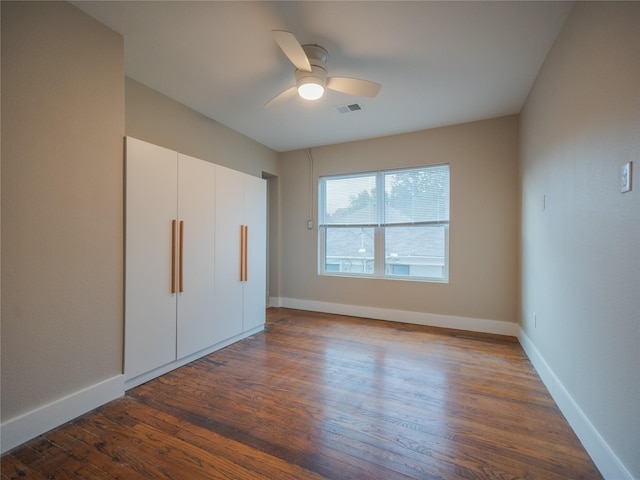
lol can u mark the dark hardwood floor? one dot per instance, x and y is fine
(325, 396)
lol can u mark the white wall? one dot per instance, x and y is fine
(62, 263)
(483, 275)
(581, 254)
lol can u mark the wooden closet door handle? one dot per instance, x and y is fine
(173, 256)
(181, 269)
(242, 253)
(246, 253)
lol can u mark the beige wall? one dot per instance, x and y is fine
(62, 267)
(581, 254)
(158, 119)
(483, 274)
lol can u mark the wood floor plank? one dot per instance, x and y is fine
(43, 456)
(221, 446)
(300, 446)
(91, 448)
(13, 468)
(319, 396)
(337, 424)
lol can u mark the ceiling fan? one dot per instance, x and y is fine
(311, 72)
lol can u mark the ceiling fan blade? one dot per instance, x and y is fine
(292, 49)
(354, 86)
(281, 97)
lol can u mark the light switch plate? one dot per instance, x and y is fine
(625, 180)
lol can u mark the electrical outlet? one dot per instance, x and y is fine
(625, 180)
(309, 224)
(535, 320)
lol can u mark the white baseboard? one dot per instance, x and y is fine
(36, 422)
(418, 318)
(605, 459)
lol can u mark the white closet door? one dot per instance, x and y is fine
(228, 287)
(196, 213)
(150, 307)
(255, 217)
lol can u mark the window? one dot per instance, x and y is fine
(391, 224)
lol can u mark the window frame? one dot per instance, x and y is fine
(379, 228)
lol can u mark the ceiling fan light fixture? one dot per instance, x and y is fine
(311, 72)
(310, 89)
(311, 84)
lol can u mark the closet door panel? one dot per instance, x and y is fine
(228, 287)
(255, 217)
(196, 212)
(150, 307)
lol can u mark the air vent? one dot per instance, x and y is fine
(354, 107)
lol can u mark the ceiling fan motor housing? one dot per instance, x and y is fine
(316, 75)
(318, 59)
(317, 53)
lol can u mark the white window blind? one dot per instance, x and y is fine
(350, 200)
(417, 196)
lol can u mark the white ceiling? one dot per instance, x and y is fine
(439, 63)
